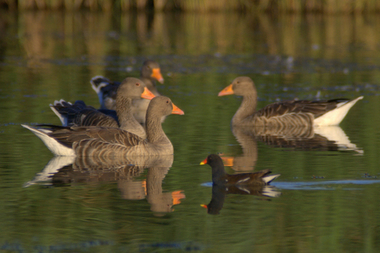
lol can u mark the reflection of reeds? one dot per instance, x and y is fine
(326, 6)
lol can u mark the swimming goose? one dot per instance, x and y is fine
(111, 142)
(295, 112)
(106, 90)
(130, 90)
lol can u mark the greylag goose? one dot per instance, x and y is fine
(130, 90)
(106, 90)
(295, 112)
(107, 141)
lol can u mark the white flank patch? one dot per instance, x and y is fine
(242, 180)
(334, 117)
(54, 146)
(243, 189)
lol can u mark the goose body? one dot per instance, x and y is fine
(106, 89)
(220, 177)
(291, 113)
(129, 91)
(108, 141)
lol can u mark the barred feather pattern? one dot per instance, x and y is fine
(80, 114)
(293, 113)
(107, 141)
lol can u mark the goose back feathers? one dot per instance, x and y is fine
(293, 113)
(106, 141)
(130, 90)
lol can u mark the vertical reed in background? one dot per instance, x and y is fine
(294, 6)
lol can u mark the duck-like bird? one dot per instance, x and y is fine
(129, 91)
(220, 177)
(108, 141)
(290, 113)
(106, 89)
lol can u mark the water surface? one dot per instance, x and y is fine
(329, 193)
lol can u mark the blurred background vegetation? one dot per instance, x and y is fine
(297, 6)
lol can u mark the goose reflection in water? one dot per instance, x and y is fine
(318, 138)
(67, 170)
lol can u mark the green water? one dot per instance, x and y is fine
(329, 199)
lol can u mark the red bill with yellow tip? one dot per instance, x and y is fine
(204, 162)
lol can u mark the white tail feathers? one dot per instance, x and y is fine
(53, 145)
(334, 117)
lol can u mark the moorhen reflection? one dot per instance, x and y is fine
(256, 183)
(219, 193)
(291, 113)
(130, 91)
(84, 170)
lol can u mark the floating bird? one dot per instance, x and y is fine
(129, 91)
(106, 89)
(292, 113)
(108, 141)
(220, 177)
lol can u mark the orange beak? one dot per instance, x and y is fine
(226, 91)
(143, 183)
(204, 162)
(177, 196)
(204, 206)
(176, 110)
(228, 161)
(147, 94)
(156, 74)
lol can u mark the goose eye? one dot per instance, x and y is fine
(137, 84)
(167, 101)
